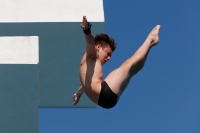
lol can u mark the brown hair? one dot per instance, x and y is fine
(105, 40)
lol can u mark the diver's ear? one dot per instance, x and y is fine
(98, 47)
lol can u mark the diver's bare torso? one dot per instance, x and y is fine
(91, 76)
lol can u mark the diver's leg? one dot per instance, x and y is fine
(119, 78)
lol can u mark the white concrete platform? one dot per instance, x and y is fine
(19, 50)
(50, 10)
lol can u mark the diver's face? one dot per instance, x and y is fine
(105, 53)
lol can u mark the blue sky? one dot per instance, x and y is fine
(164, 97)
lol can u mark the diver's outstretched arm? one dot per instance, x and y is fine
(89, 38)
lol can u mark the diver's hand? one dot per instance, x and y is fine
(75, 99)
(84, 24)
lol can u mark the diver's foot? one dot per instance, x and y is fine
(153, 35)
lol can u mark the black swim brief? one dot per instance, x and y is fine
(107, 98)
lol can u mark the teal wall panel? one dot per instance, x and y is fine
(61, 46)
(19, 105)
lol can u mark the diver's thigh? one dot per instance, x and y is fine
(116, 78)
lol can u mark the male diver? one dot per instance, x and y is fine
(106, 93)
